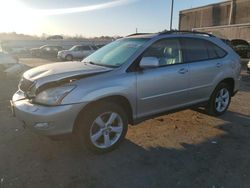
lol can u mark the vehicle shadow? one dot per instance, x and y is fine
(229, 116)
(221, 161)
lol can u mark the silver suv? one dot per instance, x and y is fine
(126, 82)
(76, 52)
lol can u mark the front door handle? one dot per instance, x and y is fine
(183, 71)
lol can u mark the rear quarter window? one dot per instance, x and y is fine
(220, 52)
(201, 50)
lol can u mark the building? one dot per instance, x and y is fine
(228, 19)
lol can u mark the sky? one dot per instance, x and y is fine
(91, 18)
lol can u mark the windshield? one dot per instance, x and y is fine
(74, 48)
(116, 53)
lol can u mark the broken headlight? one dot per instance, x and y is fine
(53, 96)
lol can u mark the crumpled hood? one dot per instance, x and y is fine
(63, 70)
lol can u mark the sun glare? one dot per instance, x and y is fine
(15, 16)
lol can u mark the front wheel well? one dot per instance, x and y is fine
(120, 100)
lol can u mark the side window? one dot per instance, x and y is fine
(168, 52)
(220, 52)
(211, 51)
(77, 48)
(83, 48)
(214, 51)
(195, 50)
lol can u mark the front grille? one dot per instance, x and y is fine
(25, 85)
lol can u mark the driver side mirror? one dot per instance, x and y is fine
(149, 62)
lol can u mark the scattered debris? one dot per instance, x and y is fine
(214, 142)
(160, 119)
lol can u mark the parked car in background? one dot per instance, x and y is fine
(55, 37)
(76, 52)
(46, 51)
(128, 81)
(241, 47)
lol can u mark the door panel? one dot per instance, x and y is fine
(205, 65)
(162, 89)
(202, 75)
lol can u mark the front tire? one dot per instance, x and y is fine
(69, 57)
(103, 127)
(219, 100)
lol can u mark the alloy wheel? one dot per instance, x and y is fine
(222, 100)
(106, 130)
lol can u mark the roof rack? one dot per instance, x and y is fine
(185, 32)
(138, 34)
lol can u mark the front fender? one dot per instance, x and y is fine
(103, 93)
(86, 96)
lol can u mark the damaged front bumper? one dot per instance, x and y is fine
(46, 120)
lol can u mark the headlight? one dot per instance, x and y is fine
(53, 96)
(31, 93)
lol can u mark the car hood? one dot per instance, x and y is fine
(60, 71)
(64, 51)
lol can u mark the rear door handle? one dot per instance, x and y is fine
(218, 65)
(183, 71)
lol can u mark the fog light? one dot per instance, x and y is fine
(42, 125)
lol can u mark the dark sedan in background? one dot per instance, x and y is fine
(45, 51)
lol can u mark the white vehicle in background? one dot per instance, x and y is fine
(76, 52)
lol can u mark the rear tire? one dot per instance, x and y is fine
(219, 100)
(102, 127)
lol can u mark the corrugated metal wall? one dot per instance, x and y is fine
(215, 18)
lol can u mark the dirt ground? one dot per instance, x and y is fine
(185, 149)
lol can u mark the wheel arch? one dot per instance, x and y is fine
(117, 99)
(230, 82)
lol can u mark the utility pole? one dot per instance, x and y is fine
(172, 11)
(232, 13)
